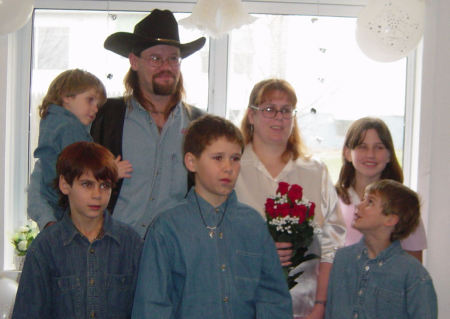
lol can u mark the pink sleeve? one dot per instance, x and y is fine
(417, 240)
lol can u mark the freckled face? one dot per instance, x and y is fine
(276, 130)
(216, 170)
(370, 157)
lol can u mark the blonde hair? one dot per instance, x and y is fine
(68, 84)
(295, 147)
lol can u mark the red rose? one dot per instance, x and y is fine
(283, 210)
(270, 209)
(300, 212)
(283, 188)
(295, 192)
(311, 209)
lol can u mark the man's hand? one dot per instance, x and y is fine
(124, 168)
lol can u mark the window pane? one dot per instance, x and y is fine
(65, 39)
(334, 81)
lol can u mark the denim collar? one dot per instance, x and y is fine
(59, 110)
(71, 232)
(393, 249)
(209, 211)
(137, 106)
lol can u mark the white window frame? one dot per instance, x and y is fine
(15, 58)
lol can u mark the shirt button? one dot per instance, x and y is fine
(360, 292)
(223, 267)
(144, 225)
(217, 210)
(380, 264)
(225, 299)
(355, 315)
(92, 314)
(367, 268)
(92, 281)
(91, 250)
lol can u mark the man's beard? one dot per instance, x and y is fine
(164, 89)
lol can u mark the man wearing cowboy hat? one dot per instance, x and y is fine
(146, 125)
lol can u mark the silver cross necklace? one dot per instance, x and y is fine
(211, 229)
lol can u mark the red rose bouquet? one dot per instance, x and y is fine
(289, 218)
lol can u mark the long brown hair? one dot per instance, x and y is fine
(68, 84)
(354, 137)
(132, 88)
(295, 147)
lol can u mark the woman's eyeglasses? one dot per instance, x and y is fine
(270, 111)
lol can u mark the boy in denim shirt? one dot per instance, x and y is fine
(376, 278)
(86, 264)
(211, 256)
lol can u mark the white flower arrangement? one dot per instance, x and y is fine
(23, 237)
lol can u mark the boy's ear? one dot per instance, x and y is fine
(348, 154)
(190, 162)
(391, 220)
(64, 187)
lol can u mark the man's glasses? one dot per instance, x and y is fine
(270, 111)
(157, 61)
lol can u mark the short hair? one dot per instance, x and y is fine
(354, 137)
(206, 129)
(82, 157)
(295, 147)
(68, 84)
(401, 201)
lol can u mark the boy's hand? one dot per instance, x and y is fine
(285, 253)
(124, 167)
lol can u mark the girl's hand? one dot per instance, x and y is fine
(285, 253)
(124, 167)
(318, 312)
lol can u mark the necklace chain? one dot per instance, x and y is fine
(210, 228)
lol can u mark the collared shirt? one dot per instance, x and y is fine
(57, 130)
(255, 185)
(415, 241)
(66, 276)
(393, 285)
(233, 273)
(157, 156)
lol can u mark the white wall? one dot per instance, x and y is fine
(434, 153)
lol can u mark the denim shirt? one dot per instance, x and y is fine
(185, 273)
(66, 276)
(58, 129)
(159, 178)
(393, 285)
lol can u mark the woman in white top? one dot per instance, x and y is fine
(368, 155)
(275, 153)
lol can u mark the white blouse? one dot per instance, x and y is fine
(255, 185)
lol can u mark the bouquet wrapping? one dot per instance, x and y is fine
(290, 219)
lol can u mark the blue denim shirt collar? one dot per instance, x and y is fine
(71, 231)
(61, 111)
(135, 105)
(394, 249)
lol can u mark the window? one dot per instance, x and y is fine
(309, 44)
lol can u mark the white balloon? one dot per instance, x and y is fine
(14, 14)
(387, 30)
(8, 289)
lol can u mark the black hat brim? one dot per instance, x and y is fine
(123, 44)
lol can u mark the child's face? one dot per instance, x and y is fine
(369, 215)
(84, 105)
(370, 157)
(216, 170)
(88, 197)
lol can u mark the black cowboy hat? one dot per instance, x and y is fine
(159, 27)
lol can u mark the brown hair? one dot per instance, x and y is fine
(68, 84)
(132, 88)
(80, 157)
(401, 201)
(354, 137)
(205, 130)
(295, 147)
